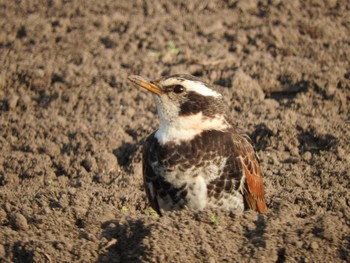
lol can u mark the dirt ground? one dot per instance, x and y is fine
(72, 127)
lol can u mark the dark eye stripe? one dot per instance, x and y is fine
(195, 103)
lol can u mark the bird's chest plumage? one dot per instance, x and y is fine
(204, 155)
(193, 172)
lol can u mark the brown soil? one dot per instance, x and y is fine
(72, 126)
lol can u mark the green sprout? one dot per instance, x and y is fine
(123, 209)
(214, 220)
(153, 212)
(154, 54)
(170, 49)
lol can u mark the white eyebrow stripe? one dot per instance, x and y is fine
(191, 85)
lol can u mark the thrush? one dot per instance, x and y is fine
(198, 158)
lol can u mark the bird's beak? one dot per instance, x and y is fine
(146, 84)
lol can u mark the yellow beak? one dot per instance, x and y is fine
(146, 84)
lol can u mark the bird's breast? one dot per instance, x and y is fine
(202, 170)
(205, 155)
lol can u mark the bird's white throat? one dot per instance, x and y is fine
(187, 127)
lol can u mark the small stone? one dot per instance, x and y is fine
(47, 210)
(130, 111)
(7, 207)
(161, 258)
(299, 244)
(271, 104)
(13, 100)
(107, 162)
(273, 160)
(19, 222)
(167, 58)
(330, 3)
(52, 149)
(89, 163)
(268, 173)
(186, 232)
(314, 245)
(342, 154)
(3, 216)
(26, 100)
(247, 6)
(87, 236)
(294, 151)
(91, 237)
(307, 156)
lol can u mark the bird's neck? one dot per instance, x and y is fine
(185, 128)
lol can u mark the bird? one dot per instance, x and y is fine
(197, 158)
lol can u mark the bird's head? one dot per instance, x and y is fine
(186, 106)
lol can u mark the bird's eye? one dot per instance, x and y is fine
(178, 89)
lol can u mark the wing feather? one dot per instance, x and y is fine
(149, 176)
(253, 190)
(253, 184)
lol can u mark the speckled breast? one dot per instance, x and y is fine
(195, 173)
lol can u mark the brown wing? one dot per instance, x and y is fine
(253, 187)
(149, 176)
(253, 190)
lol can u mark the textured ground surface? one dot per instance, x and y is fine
(71, 127)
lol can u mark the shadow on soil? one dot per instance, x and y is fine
(256, 236)
(128, 239)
